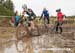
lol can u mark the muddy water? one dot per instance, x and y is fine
(46, 43)
(36, 45)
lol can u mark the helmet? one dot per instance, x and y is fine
(44, 8)
(24, 6)
(58, 10)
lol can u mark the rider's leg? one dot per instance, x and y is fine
(44, 19)
(29, 23)
(48, 21)
(57, 26)
(61, 30)
(47, 18)
(60, 27)
(16, 24)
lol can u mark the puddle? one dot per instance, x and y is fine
(12, 49)
(33, 46)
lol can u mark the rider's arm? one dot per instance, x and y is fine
(27, 13)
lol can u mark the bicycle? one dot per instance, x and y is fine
(23, 31)
(44, 27)
(53, 28)
(48, 28)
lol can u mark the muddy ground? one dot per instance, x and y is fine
(46, 43)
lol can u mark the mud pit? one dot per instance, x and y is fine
(46, 43)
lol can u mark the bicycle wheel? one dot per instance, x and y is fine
(21, 32)
(53, 28)
(35, 31)
(20, 46)
(45, 26)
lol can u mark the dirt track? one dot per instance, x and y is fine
(39, 44)
(66, 40)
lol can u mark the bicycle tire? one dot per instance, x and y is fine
(35, 31)
(21, 32)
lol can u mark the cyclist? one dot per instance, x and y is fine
(45, 13)
(17, 18)
(59, 20)
(31, 16)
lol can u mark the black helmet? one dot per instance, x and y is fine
(58, 10)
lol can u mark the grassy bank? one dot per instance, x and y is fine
(4, 21)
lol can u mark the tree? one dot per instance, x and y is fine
(1, 1)
(9, 5)
(7, 8)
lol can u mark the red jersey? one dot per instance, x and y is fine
(60, 16)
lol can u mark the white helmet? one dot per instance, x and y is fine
(24, 6)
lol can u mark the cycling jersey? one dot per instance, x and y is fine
(30, 14)
(17, 18)
(45, 13)
(60, 16)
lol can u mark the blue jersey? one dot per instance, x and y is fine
(17, 18)
(45, 13)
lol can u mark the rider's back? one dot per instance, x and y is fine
(45, 13)
(60, 16)
(17, 18)
(30, 12)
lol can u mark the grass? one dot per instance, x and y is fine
(69, 20)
